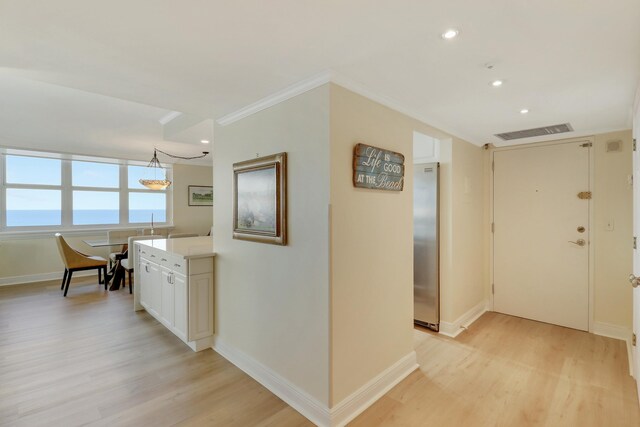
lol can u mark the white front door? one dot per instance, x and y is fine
(541, 233)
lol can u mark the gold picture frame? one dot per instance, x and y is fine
(260, 200)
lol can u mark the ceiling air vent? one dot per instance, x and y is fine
(528, 133)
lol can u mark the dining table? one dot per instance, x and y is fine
(99, 243)
(117, 271)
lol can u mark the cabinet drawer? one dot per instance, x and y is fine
(178, 265)
(200, 265)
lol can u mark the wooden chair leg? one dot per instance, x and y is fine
(66, 288)
(130, 283)
(106, 280)
(64, 278)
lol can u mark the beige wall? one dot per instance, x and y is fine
(468, 227)
(613, 200)
(372, 241)
(272, 302)
(190, 219)
(31, 259)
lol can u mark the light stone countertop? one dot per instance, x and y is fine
(185, 247)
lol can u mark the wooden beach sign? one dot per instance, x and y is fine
(375, 168)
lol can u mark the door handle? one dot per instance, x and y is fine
(579, 242)
(635, 281)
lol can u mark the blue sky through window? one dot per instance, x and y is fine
(33, 170)
(88, 174)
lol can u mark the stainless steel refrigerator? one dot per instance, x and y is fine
(426, 277)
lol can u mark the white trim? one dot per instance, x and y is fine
(310, 407)
(453, 329)
(76, 232)
(368, 394)
(327, 77)
(42, 277)
(276, 98)
(617, 332)
(362, 90)
(593, 241)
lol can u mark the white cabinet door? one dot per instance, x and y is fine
(167, 302)
(143, 276)
(200, 306)
(180, 296)
(149, 274)
(155, 291)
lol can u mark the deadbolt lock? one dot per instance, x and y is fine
(584, 195)
(581, 229)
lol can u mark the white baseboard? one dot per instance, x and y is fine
(453, 329)
(43, 277)
(317, 412)
(368, 394)
(619, 333)
(314, 410)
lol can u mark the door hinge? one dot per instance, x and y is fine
(493, 166)
(633, 340)
(634, 144)
(493, 288)
(635, 242)
(493, 227)
(586, 144)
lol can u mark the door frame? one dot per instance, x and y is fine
(592, 242)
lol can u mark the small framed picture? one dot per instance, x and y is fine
(260, 200)
(200, 195)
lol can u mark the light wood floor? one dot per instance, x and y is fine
(507, 371)
(88, 359)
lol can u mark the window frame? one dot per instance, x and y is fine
(66, 188)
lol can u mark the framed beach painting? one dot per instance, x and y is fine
(260, 200)
(200, 195)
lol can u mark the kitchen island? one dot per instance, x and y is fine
(173, 281)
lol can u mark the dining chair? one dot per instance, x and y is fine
(77, 261)
(128, 262)
(180, 235)
(156, 232)
(115, 235)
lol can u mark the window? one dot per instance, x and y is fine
(143, 203)
(28, 207)
(45, 192)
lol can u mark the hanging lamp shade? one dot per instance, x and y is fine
(155, 184)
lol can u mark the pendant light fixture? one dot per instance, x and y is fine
(161, 184)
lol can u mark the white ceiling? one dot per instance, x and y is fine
(98, 76)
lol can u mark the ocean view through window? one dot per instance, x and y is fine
(42, 193)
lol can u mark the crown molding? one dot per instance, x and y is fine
(276, 98)
(330, 76)
(395, 105)
(169, 116)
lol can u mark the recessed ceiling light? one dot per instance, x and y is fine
(524, 111)
(450, 34)
(496, 83)
(204, 141)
